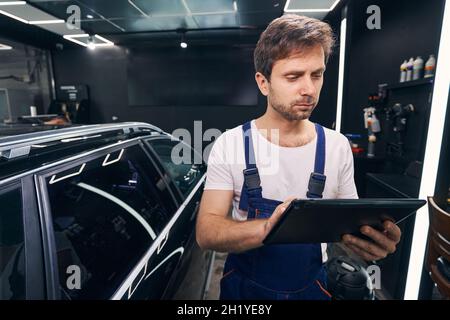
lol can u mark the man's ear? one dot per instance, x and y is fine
(263, 83)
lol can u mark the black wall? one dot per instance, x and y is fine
(408, 29)
(105, 72)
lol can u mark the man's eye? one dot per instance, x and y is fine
(317, 75)
(291, 78)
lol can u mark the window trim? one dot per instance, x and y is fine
(159, 161)
(35, 277)
(51, 262)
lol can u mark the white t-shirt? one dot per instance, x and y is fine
(284, 171)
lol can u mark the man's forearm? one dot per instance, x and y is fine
(223, 234)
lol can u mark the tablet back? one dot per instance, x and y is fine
(326, 220)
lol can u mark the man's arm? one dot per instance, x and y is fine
(218, 232)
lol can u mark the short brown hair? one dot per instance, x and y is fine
(287, 35)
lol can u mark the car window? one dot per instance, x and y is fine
(185, 174)
(12, 251)
(106, 213)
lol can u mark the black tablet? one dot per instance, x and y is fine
(326, 220)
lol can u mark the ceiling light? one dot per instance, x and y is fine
(288, 2)
(13, 3)
(5, 47)
(183, 42)
(91, 43)
(235, 6)
(46, 21)
(106, 42)
(89, 16)
(71, 38)
(13, 16)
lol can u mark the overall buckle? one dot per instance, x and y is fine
(251, 178)
(316, 185)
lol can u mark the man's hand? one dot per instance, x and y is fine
(384, 243)
(276, 215)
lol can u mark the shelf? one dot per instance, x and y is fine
(412, 83)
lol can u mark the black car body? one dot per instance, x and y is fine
(98, 212)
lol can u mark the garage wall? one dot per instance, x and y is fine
(105, 72)
(24, 72)
(408, 29)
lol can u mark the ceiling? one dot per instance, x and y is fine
(154, 21)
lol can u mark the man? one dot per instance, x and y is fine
(280, 156)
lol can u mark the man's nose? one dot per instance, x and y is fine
(307, 87)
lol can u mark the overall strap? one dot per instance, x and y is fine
(252, 181)
(317, 178)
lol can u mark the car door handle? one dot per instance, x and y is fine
(162, 243)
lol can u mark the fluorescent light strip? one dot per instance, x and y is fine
(46, 21)
(5, 47)
(235, 8)
(206, 13)
(30, 22)
(13, 3)
(431, 161)
(334, 5)
(80, 35)
(286, 8)
(138, 9)
(70, 38)
(341, 73)
(13, 16)
(107, 42)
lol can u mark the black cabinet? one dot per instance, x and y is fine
(394, 268)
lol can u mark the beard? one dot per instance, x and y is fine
(288, 111)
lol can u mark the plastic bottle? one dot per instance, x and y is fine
(33, 111)
(430, 66)
(409, 69)
(417, 68)
(403, 71)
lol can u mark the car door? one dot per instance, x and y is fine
(188, 177)
(21, 264)
(12, 243)
(104, 215)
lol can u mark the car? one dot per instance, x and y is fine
(99, 212)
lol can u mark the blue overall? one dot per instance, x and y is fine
(275, 272)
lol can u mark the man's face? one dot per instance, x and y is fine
(295, 83)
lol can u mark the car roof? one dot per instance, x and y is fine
(23, 148)
(7, 130)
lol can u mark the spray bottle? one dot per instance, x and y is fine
(372, 124)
